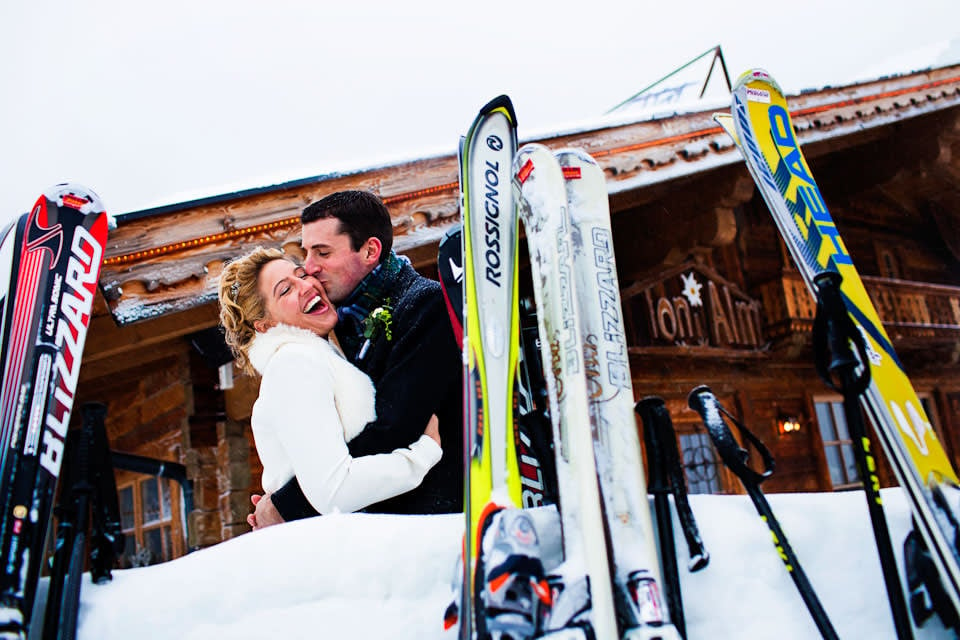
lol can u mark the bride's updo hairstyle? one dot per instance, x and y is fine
(240, 302)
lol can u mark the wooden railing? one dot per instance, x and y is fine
(912, 308)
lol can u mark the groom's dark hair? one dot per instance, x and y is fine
(361, 214)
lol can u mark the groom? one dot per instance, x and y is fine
(393, 325)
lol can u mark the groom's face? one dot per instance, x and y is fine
(331, 258)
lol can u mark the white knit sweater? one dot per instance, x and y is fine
(312, 402)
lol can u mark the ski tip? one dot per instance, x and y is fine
(454, 233)
(755, 75)
(501, 103)
(570, 156)
(74, 196)
(725, 120)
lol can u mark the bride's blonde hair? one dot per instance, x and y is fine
(240, 302)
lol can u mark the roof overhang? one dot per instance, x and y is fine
(166, 260)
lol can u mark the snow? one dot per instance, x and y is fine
(375, 576)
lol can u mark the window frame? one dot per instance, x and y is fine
(834, 407)
(172, 541)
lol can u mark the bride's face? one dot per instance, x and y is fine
(292, 297)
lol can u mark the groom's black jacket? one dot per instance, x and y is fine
(417, 374)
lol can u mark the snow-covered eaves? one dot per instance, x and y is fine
(168, 259)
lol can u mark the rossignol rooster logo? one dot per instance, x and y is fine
(456, 270)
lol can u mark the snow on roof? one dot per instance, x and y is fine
(932, 55)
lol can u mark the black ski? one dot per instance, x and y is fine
(51, 257)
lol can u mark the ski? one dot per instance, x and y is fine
(583, 591)
(499, 566)
(51, 259)
(761, 127)
(537, 476)
(610, 401)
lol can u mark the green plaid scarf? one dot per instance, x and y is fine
(371, 293)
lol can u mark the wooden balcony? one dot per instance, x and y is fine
(914, 312)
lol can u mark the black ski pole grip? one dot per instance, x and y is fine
(702, 400)
(653, 411)
(659, 486)
(833, 332)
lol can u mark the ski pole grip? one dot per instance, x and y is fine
(702, 400)
(93, 414)
(667, 475)
(833, 331)
(647, 409)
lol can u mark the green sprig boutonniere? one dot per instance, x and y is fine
(379, 321)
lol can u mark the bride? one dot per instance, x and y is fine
(312, 401)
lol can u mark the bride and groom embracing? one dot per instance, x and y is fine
(326, 439)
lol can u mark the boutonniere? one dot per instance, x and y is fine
(379, 321)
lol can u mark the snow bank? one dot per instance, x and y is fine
(375, 576)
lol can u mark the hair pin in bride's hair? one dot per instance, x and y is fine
(235, 290)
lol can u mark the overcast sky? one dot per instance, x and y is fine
(153, 103)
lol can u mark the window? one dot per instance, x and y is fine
(889, 265)
(700, 464)
(150, 520)
(837, 445)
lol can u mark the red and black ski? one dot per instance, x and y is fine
(49, 266)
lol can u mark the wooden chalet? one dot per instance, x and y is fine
(685, 214)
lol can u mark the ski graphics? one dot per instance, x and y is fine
(490, 335)
(535, 463)
(610, 396)
(49, 265)
(450, 270)
(542, 204)
(760, 125)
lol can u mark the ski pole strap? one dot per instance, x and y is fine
(702, 400)
(833, 331)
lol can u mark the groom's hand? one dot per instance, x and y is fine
(264, 514)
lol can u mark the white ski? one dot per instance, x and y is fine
(542, 202)
(610, 402)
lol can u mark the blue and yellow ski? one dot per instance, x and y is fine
(761, 126)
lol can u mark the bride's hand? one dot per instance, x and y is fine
(433, 429)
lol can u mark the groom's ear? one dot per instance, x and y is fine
(371, 250)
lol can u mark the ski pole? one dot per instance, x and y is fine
(666, 476)
(702, 400)
(833, 333)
